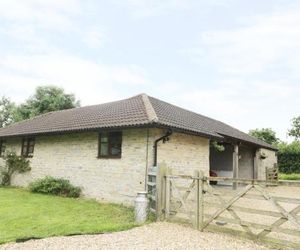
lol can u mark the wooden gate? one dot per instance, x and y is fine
(254, 210)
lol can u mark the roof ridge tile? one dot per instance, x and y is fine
(152, 116)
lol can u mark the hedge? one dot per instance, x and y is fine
(289, 158)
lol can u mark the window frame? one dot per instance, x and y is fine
(109, 135)
(27, 143)
(2, 145)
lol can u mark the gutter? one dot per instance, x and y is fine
(164, 138)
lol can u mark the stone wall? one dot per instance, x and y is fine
(74, 156)
(269, 161)
(246, 162)
(183, 153)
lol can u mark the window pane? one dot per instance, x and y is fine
(103, 137)
(104, 149)
(24, 151)
(31, 142)
(28, 146)
(110, 144)
(116, 150)
(115, 143)
(30, 149)
(2, 148)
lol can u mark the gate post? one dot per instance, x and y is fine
(167, 194)
(160, 191)
(196, 175)
(201, 200)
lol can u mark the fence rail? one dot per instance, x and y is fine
(253, 210)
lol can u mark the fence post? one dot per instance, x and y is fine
(196, 175)
(160, 191)
(167, 194)
(201, 200)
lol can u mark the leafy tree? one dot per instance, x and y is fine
(45, 99)
(6, 111)
(295, 130)
(265, 134)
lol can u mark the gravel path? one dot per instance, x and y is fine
(160, 235)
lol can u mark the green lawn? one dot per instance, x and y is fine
(24, 215)
(289, 177)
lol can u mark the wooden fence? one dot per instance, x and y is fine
(254, 210)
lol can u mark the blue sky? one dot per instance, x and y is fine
(233, 60)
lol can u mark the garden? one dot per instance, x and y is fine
(51, 207)
(25, 215)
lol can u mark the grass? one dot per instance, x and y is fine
(289, 176)
(25, 215)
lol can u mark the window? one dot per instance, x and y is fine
(110, 144)
(2, 148)
(28, 147)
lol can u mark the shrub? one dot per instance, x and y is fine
(289, 158)
(13, 164)
(55, 186)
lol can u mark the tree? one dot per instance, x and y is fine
(295, 130)
(265, 134)
(6, 111)
(45, 99)
(13, 164)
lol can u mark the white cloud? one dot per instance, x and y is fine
(39, 61)
(92, 82)
(148, 8)
(95, 37)
(32, 22)
(270, 40)
(53, 14)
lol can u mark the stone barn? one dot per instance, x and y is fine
(107, 149)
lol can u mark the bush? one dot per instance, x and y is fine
(13, 164)
(55, 186)
(289, 158)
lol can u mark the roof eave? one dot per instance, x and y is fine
(152, 124)
(270, 147)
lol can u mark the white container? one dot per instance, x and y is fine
(141, 207)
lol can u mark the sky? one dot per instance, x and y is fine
(236, 61)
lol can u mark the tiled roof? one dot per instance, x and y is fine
(137, 111)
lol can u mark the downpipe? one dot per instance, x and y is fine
(164, 138)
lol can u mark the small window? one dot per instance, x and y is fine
(28, 147)
(110, 145)
(2, 148)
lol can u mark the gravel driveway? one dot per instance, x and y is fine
(160, 235)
